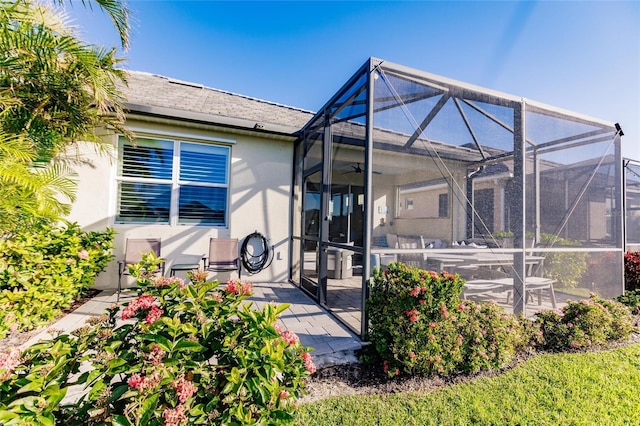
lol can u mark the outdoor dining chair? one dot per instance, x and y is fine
(134, 249)
(223, 255)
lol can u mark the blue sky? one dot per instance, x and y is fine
(583, 56)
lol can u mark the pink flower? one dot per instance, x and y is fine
(445, 312)
(8, 362)
(184, 388)
(432, 337)
(290, 337)
(385, 366)
(154, 315)
(413, 315)
(246, 288)
(167, 281)
(83, 254)
(412, 354)
(136, 381)
(432, 325)
(152, 380)
(284, 394)
(415, 292)
(232, 287)
(175, 416)
(422, 302)
(575, 344)
(145, 302)
(156, 355)
(569, 324)
(142, 302)
(128, 312)
(308, 362)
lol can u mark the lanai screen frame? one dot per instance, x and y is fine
(632, 204)
(349, 118)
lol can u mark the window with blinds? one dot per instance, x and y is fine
(172, 182)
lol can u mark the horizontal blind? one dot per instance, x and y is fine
(143, 202)
(204, 205)
(203, 163)
(147, 158)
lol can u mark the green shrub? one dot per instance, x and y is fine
(47, 270)
(419, 325)
(566, 268)
(184, 354)
(403, 302)
(590, 322)
(631, 299)
(491, 337)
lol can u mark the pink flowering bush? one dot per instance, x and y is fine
(590, 322)
(182, 355)
(419, 325)
(47, 270)
(632, 270)
(411, 328)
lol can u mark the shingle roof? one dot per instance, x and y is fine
(158, 95)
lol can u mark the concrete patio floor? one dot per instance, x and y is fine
(332, 342)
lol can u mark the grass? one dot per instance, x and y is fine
(596, 388)
(581, 292)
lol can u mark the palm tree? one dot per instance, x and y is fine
(55, 91)
(32, 193)
(119, 14)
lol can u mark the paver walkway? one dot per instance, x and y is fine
(333, 343)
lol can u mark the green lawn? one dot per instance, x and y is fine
(599, 388)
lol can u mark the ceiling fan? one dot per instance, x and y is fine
(358, 170)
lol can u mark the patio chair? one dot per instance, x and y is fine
(134, 249)
(223, 256)
(417, 260)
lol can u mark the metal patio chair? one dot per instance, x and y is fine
(134, 249)
(223, 256)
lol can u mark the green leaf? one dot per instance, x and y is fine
(148, 406)
(46, 419)
(117, 392)
(188, 345)
(32, 386)
(282, 307)
(54, 395)
(115, 363)
(189, 328)
(161, 341)
(119, 420)
(5, 416)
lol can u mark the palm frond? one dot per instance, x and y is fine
(15, 146)
(118, 12)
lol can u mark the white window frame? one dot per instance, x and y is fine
(175, 182)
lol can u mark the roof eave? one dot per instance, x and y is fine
(215, 120)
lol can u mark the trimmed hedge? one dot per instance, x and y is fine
(45, 271)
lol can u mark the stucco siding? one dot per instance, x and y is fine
(259, 200)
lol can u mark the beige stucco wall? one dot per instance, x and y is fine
(259, 200)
